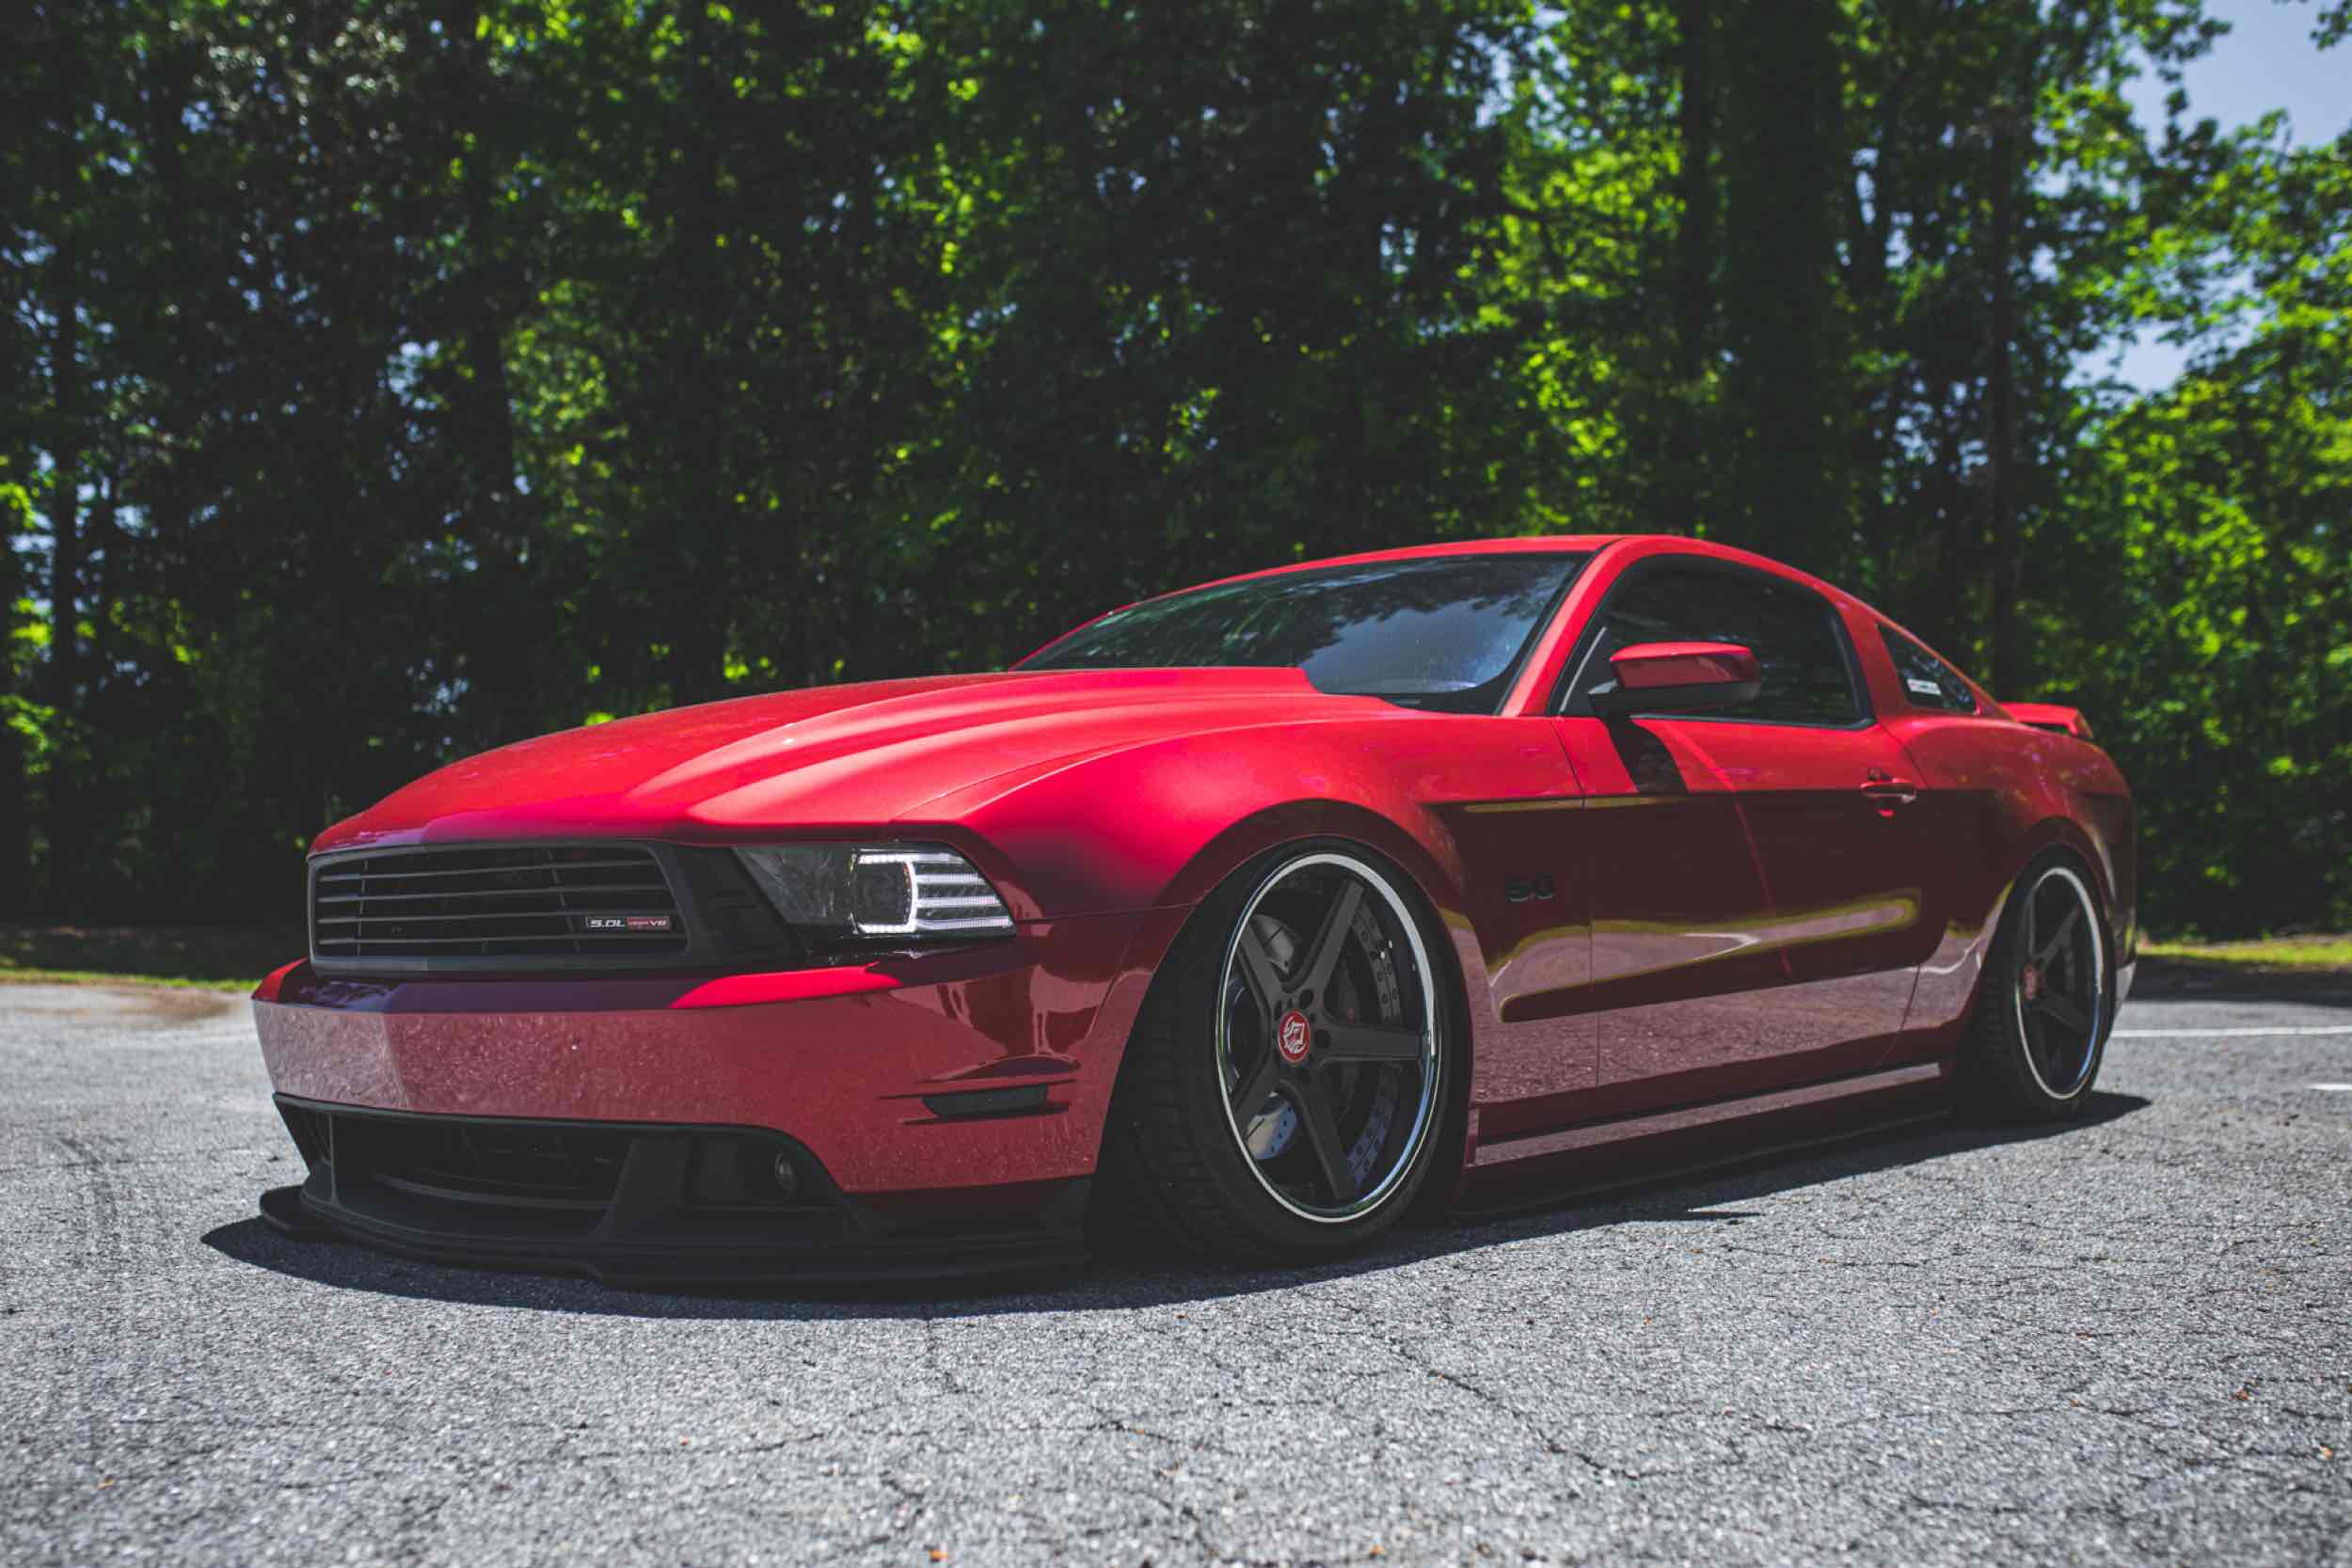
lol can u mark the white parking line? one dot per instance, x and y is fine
(2209, 1034)
(2334, 1088)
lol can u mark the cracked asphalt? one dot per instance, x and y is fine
(2128, 1341)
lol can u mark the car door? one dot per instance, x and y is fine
(1754, 883)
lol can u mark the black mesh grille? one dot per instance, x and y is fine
(541, 1166)
(528, 903)
(313, 1132)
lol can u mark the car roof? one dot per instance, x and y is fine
(1537, 544)
(1529, 545)
(1547, 544)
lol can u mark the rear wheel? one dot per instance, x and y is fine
(1282, 1092)
(2047, 999)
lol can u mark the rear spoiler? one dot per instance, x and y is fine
(2051, 716)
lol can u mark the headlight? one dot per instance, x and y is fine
(845, 895)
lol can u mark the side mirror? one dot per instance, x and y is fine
(1675, 677)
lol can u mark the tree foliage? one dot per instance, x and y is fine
(387, 380)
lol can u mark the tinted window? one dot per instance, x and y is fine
(1791, 630)
(1928, 681)
(1443, 632)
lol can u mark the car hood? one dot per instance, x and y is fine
(857, 755)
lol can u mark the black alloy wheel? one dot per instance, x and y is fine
(1297, 1111)
(2061, 983)
(2047, 1000)
(1328, 1042)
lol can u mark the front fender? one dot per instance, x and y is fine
(1158, 825)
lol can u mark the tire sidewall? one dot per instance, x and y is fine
(1201, 1077)
(2013, 1077)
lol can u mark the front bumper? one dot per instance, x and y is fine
(642, 1204)
(945, 1112)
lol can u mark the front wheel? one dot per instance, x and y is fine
(2047, 998)
(1282, 1092)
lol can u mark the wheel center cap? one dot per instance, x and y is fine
(1291, 1036)
(2032, 982)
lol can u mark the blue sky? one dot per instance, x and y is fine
(2266, 61)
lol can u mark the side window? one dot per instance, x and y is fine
(1791, 630)
(1928, 681)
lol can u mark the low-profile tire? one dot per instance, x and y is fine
(1282, 1092)
(2047, 1001)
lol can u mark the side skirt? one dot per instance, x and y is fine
(1539, 1168)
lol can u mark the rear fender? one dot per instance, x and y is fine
(2009, 792)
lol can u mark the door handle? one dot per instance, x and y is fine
(1887, 794)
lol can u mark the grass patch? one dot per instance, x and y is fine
(15, 976)
(214, 957)
(2315, 951)
(2314, 968)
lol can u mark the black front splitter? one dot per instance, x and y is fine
(285, 1211)
(646, 1206)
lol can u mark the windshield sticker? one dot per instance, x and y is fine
(1924, 688)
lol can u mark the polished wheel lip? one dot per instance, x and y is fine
(2089, 908)
(1431, 1059)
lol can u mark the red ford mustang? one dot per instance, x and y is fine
(1281, 904)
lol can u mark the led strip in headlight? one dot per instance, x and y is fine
(841, 894)
(944, 894)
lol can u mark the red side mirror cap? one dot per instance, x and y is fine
(1668, 678)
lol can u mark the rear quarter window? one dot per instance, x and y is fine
(1926, 681)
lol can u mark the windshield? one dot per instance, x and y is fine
(1444, 632)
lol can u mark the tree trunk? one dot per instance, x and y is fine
(66, 848)
(1788, 385)
(1694, 285)
(174, 278)
(508, 624)
(709, 528)
(15, 840)
(2001, 410)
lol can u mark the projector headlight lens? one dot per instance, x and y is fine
(848, 895)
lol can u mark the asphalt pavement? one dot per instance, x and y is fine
(2126, 1342)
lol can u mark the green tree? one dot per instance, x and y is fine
(382, 382)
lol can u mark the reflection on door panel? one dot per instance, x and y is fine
(1846, 882)
(1681, 916)
(1512, 812)
(1754, 910)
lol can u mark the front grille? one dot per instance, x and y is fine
(509, 1184)
(532, 903)
(547, 1167)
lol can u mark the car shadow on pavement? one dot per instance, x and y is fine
(1656, 1198)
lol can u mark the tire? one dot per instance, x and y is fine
(2047, 1001)
(1283, 1092)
